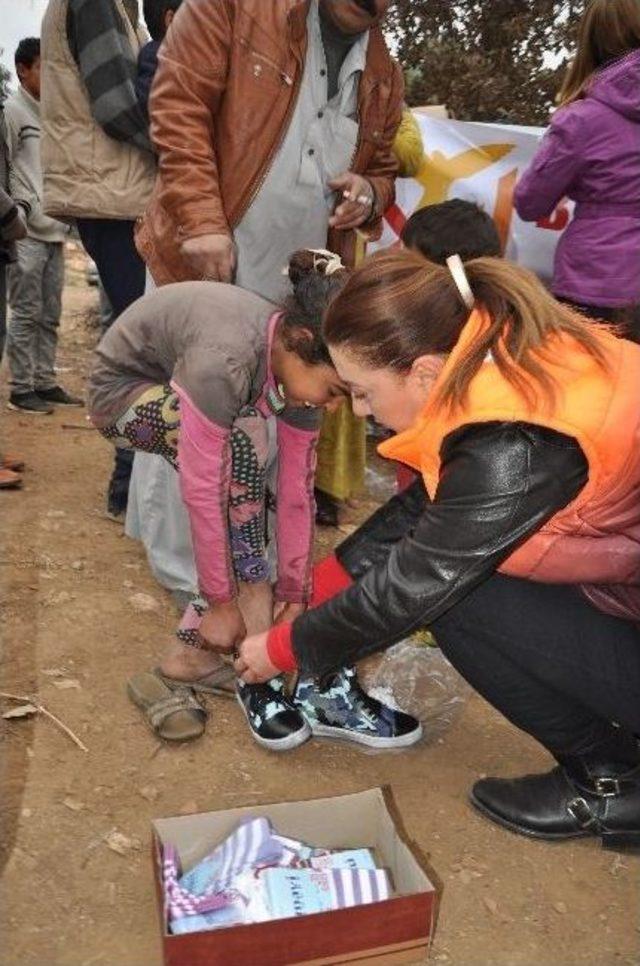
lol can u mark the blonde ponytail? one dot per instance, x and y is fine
(523, 315)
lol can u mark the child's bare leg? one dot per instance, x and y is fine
(256, 605)
(186, 663)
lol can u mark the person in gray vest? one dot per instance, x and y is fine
(97, 157)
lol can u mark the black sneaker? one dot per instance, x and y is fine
(29, 402)
(341, 709)
(59, 397)
(274, 721)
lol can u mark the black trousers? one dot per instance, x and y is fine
(110, 244)
(553, 664)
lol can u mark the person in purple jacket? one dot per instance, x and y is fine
(591, 154)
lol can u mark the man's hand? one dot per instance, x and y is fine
(253, 664)
(211, 257)
(357, 201)
(222, 628)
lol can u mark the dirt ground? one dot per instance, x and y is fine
(71, 637)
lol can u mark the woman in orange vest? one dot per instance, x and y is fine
(524, 555)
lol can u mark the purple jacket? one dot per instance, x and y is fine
(591, 154)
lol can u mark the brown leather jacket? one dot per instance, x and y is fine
(221, 101)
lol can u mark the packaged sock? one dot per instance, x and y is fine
(300, 892)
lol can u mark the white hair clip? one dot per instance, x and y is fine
(331, 261)
(456, 267)
(321, 256)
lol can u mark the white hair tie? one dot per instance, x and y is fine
(456, 267)
(332, 262)
(322, 257)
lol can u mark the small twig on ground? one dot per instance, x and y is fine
(42, 710)
(87, 426)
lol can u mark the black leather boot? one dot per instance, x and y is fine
(577, 798)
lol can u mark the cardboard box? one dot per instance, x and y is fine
(398, 930)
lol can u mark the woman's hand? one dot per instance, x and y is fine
(253, 664)
(222, 627)
(284, 611)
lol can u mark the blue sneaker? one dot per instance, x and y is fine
(341, 709)
(274, 721)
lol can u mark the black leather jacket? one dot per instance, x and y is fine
(414, 559)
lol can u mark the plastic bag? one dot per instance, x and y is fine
(414, 676)
(379, 486)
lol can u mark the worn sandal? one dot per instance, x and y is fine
(173, 713)
(221, 681)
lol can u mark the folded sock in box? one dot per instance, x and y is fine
(256, 875)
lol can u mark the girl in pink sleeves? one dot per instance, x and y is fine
(194, 372)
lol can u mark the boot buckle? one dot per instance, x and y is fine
(607, 787)
(579, 810)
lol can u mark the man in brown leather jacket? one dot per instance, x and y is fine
(234, 75)
(264, 116)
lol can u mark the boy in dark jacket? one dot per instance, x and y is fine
(158, 15)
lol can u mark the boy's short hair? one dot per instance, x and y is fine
(454, 227)
(27, 52)
(154, 11)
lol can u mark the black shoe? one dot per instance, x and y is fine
(59, 397)
(274, 721)
(342, 710)
(568, 802)
(326, 509)
(118, 489)
(117, 504)
(29, 402)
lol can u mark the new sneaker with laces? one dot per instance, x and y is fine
(274, 720)
(340, 709)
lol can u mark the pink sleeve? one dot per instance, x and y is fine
(295, 512)
(204, 458)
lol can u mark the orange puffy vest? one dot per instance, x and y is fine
(595, 540)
